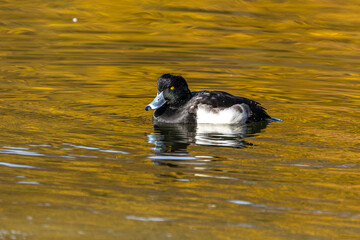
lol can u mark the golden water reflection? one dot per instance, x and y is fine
(79, 156)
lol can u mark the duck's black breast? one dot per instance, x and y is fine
(213, 99)
(166, 114)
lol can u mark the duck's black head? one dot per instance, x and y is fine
(172, 90)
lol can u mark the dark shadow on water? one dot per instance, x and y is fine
(175, 138)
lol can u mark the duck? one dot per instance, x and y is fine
(175, 103)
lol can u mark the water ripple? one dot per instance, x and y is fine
(29, 182)
(20, 152)
(17, 165)
(151, 219)
(163, 157)
(95, 148)
(241, 202)
(25, 151)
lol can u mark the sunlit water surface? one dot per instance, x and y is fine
(80, 159)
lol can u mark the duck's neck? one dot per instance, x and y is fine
(181, 102)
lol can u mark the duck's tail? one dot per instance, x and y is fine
(275, 120)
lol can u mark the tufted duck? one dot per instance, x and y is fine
(175, 103)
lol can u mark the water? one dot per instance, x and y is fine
(80, 159)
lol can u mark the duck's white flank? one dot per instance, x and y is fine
(236, 114)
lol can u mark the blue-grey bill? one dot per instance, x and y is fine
(158, 101)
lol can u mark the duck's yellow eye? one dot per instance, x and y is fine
(172, 88)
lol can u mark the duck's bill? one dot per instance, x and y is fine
(158, 101)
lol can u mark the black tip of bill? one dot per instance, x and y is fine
(147, 108)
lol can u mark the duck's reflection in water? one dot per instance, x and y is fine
(175, 138)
